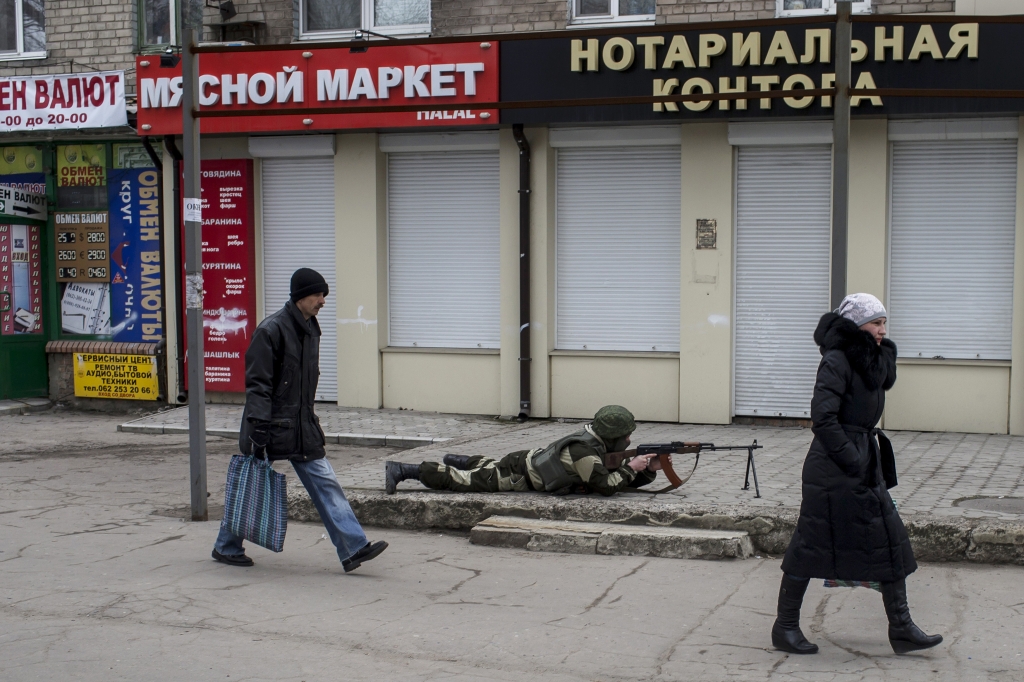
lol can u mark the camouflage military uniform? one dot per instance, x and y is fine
(584, 468)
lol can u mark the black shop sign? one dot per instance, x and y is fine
(720, 58)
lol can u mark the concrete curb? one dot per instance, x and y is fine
(373, 440)
(24, 406)
(985, 541)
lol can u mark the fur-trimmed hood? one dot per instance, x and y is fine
(875, 363)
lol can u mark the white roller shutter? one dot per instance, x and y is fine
(443, 249)
(783, 226)
(952, 237)
(298, 232)
(617, 252)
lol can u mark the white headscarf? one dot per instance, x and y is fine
(861, 309)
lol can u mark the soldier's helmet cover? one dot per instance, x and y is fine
(613, 421)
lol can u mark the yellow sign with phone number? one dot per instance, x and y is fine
(124, 377)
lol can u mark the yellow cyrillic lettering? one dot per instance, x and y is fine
(711, 45)
(650, 45)
(746, 49)
(828, 80)
(724, 86)
(625, 61)
(925, 43)
(895, 43)
(678, 51)
(663, 87)
(865, 82)
(963, 36)
(765, 83)
(780, 47)
(858, 51)
(791, 83)
(820, 38)
(705, 87)
(577, 55)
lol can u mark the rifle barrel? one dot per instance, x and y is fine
(708, 446)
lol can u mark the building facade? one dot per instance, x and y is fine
(679, 257)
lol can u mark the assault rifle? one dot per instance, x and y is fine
(664, 451)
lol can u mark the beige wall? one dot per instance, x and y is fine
(509, 255)
(1016, 426)
(949, 397)
(704, 393)
(442, 382)
(649, 387)
(867, 240)
(360, 215)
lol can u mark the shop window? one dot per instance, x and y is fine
(802, 8)
(325, 19)
(158, 23)
(22, 30)
(588, 12)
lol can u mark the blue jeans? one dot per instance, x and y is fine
(329, 500)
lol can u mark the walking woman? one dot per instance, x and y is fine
(849, 529)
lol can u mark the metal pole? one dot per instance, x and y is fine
(192, 21)
(841, 152)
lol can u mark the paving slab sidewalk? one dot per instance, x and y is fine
(937, 472)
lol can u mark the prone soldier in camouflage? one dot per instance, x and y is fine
(575, 461)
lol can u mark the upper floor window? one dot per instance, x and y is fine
(802, 8)
(586, 12)
(157, 25)
(22, 29)
(342, 18)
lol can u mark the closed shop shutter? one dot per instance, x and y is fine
(617, 251)
(783, 202)
(443, 249)
(953, 212)
(298, 232)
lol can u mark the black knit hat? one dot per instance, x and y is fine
(306, 281)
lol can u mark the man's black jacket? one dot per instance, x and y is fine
(282, 367)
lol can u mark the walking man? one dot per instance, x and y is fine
(282, 367)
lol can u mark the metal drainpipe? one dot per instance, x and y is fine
(178, 268)
(159, 163)
(524, 271)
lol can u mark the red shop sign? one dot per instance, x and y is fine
(276, 81)
(229, 264)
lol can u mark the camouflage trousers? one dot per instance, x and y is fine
(484, 475)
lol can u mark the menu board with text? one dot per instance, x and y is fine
(229, 261)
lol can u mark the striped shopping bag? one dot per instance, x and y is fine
(256, 502)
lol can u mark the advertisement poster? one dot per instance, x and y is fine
(21, 280)
(63, 102)
(82, 176)
(229, 262)
(124, 377)
(136, 299)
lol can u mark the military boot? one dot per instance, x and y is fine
(786, 633)
(457, 461)
(396, 472)
(904, 635)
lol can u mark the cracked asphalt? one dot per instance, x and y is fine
(99, 580)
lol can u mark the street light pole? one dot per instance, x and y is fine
(841, 151)
(192, 22)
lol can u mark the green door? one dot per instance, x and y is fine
(22, 340)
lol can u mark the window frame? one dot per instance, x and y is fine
(145, 47)
(20, 54)
(368, 21)
(827, 7)
(611, 19)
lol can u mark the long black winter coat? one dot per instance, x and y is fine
(848, 527)
(282, 368)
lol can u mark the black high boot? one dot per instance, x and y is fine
(786, 634)
(457, 461)
(904, 635)
(396, 472)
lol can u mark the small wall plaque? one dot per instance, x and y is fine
(707, 233)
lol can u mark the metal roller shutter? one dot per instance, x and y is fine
(617, 251)
(783, 235)
(443, 249)
(953, 212)
(298, 232)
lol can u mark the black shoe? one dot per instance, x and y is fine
(232, 559)
(904, 635)
(786, 633)
(396, 472)
(365, 554)
(460, 462)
